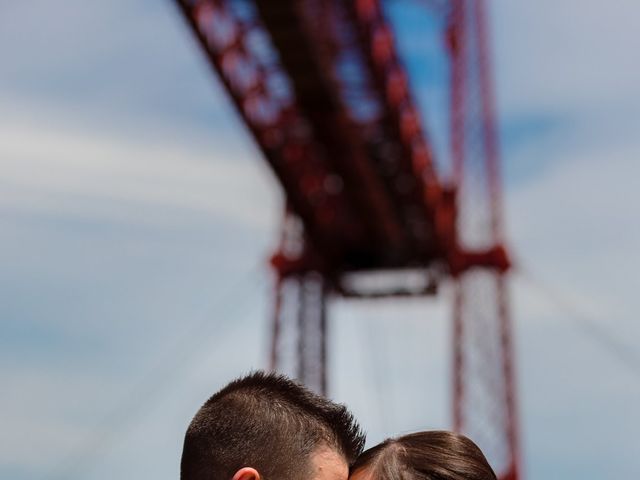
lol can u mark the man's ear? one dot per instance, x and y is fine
(246, 473)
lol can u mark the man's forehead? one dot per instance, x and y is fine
(329, 465)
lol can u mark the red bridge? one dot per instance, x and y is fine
(322, 89)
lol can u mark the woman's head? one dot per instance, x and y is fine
(434, 455)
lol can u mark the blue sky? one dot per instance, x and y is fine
(133, 207)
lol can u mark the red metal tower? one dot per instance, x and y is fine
(322, 90)
(484, 403)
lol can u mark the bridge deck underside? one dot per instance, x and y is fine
(358, 173)
(386, 197)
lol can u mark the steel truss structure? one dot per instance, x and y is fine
(321, 88)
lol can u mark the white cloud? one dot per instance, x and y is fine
(69, 419)
(65, 170)
(575, 225)
(566, 56)
(90, 309)
(45, 422)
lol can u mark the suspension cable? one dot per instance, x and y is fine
(586, 324)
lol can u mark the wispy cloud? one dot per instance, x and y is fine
(563, 56)
(55, 169)
(131, 196)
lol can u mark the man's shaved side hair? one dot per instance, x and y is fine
(268, 422)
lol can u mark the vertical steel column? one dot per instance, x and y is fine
(299, 335)
(299, 326)
(484, 404)
(492, 156)
(456, 43)
(276, 324)
(312, 335)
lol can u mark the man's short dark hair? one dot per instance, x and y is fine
(268, 422)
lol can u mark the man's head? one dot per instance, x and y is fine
(267, 427)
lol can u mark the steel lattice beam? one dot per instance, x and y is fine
(348, 148)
